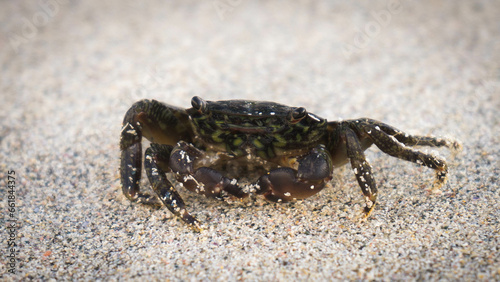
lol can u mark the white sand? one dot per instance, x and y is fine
(70, 71)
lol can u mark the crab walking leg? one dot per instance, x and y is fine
(390, 145)
(154, 161)
(362, 169)
(149, 119)
(203, 180)
(410, 140)
(130, 168)
(286, 184)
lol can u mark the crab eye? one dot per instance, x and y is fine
(199, 104)
(298, 114)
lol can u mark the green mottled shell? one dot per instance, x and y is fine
(265, 129)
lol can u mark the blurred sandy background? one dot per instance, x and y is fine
(71, 69)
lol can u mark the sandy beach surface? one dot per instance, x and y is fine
(71, 69)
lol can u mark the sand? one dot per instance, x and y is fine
(71, 69)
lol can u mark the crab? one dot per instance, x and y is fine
(205, 148)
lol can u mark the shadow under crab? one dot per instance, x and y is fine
(208, 146)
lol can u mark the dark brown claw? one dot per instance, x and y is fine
(286, 184)
(203, 180)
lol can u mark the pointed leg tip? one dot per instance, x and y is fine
(196, 229)
(436, 186)
(191, 221)
(455, 145)
(441, 178)
(367, 210)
